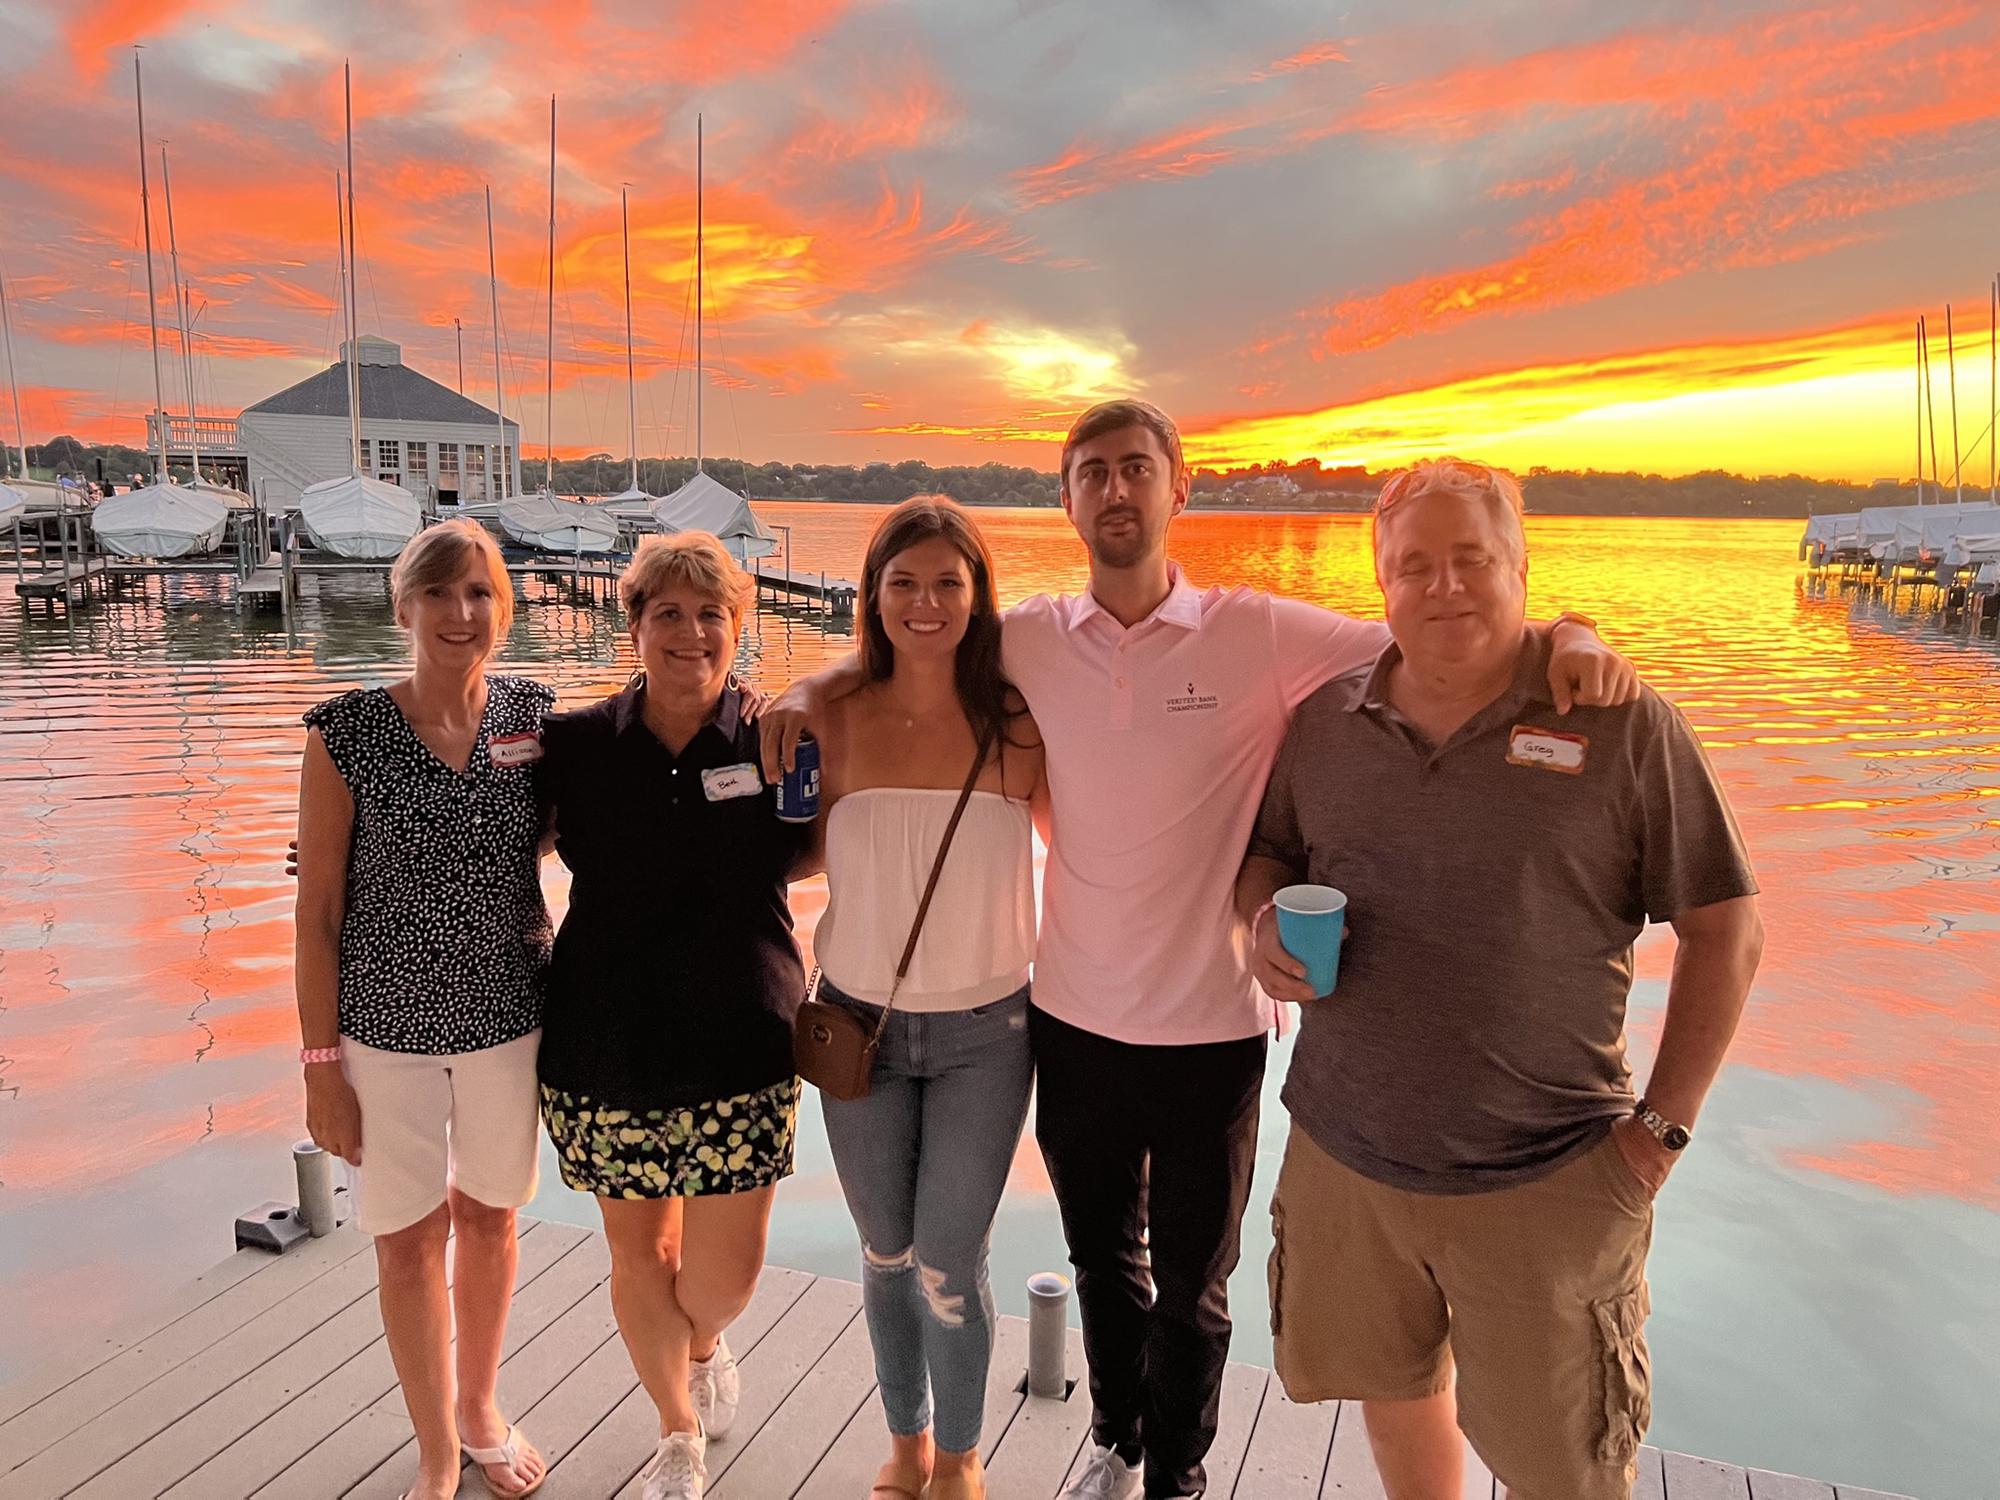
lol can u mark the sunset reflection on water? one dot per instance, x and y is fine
(1840, 1212)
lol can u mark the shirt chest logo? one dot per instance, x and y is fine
(724, 783)
(1193, 701)
(1548, 749)
(515, 750)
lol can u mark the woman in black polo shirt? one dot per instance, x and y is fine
(666, 1058)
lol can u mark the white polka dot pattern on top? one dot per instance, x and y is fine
(446, 935)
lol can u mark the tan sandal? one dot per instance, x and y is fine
(891, 1483)
(508, 1454)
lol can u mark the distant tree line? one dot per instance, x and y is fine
(1274, 486)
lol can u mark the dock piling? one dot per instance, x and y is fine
(314, 1168)
(1048, 1320)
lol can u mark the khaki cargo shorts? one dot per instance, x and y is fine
(1537, 1292)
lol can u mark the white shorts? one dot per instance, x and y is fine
(469, 1119)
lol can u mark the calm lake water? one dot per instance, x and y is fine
(1825, 1267)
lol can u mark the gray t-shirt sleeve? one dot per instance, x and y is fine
(1690, 851)
(1277, 835)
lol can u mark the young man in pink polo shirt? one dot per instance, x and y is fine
(1163, 707)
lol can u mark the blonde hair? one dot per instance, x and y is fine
(1496, 488)
(443, 554)
(690, 559)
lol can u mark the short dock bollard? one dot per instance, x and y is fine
(1048, 1320)
(315, 1173)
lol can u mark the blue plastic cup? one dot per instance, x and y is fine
(1311, 920)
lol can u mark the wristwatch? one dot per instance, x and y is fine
(1666, 1132)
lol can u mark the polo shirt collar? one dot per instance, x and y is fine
(1181, 607)
(627, 707)
(1530, 684)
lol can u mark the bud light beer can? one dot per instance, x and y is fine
(798, 789)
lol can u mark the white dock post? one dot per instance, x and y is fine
(1048, 1320)
(315, 1173)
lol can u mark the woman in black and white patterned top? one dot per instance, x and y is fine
(422, 937)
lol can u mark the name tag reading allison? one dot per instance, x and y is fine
(1550, 749)
(515, 749)
(725, 782)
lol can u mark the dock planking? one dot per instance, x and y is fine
(268, 1376)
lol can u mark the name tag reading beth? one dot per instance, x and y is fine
(515, 749)
(725, 782)
(1550, 749)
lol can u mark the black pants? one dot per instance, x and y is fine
(1150, 1151)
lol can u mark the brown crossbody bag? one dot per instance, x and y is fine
(832, 1047)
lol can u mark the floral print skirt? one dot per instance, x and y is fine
(724, 1146)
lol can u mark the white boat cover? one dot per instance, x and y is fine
(1971, 549)
(1877, 523)
(703, 504)
(1829, 534)
(46, 497)
(554, 525)
(12, 503)
(161, 520)
(1922, 537)
(356, 516)
(228, 494)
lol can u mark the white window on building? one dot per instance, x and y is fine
(447, 458)
(419, 458)
(366, 461)
(475, 458)
(389, 455)
(507, 470)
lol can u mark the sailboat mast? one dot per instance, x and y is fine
(152, 294)
(353, 279)
(346, 325)
(700, 370)
(631, 381)
(549, 362)
(13, 380)
(180, 308)
(500, 479)
(1930, 401)
(1920, 411)
(1951, 374)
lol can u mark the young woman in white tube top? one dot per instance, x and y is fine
(923, 1157)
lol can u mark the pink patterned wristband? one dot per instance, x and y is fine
(319, 1054)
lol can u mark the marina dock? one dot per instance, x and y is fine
(266, 558)
(268, 1376)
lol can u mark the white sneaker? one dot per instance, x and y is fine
(715, 1388)
(678, 1469)
(1104, 1476)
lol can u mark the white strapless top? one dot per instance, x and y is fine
(979, 937)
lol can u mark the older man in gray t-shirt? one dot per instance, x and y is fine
(1469, 1179)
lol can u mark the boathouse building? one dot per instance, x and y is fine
(442, 447)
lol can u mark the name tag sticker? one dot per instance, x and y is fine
(725, 782)
(515, 749)
(1550, 749)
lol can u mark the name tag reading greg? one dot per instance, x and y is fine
(515, 749)
(725, 782)
(1550, 749)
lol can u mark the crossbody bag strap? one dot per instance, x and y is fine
(930, 888)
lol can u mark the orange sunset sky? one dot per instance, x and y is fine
(1659, 234)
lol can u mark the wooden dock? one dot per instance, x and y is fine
(60, 580)
(268, 1376)
(836, 594)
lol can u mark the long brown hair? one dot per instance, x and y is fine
(983, 692)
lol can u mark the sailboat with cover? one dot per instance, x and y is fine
(705, 503)
(544, 520)
(356, 515)
(159, 520)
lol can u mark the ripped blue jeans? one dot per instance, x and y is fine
(923, 1158)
